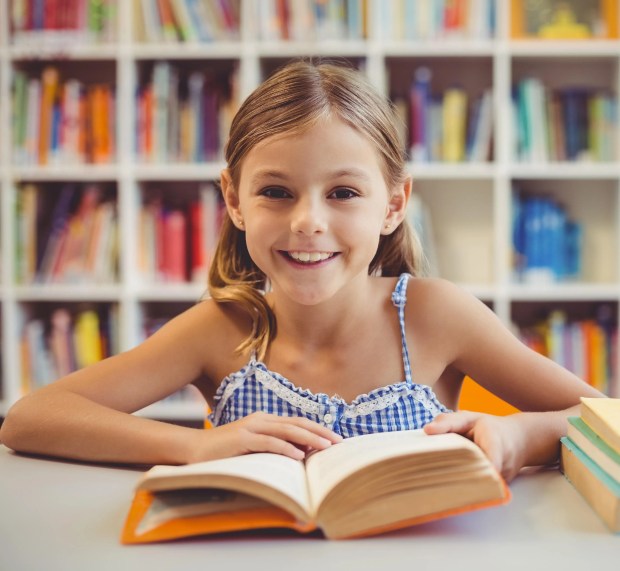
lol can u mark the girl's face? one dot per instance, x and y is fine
(313, 206)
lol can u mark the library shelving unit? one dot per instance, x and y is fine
(471, 203)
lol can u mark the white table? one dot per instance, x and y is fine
(66, 516)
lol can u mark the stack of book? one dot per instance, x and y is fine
(591, 457)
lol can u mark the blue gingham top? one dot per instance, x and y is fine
(400, 406)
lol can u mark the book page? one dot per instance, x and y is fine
(273, 470)
(607, 409)
(328, 467)
(175, 504)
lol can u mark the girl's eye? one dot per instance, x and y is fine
(275, 192)
(343, 194)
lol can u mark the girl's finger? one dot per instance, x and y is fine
(461, 422)
(267, 443)
(297, 435)
(310, 426)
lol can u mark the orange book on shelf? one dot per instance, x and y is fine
(527, 19)
(166, 17)
(49, 82)
(100, 121)
(147, 135)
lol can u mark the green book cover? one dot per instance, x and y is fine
(593, 437)
(592, 466)
(594, 446)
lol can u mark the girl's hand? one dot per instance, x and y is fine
(500, 437)
(262, 432)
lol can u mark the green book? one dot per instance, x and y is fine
(596, 486)
(594, 446)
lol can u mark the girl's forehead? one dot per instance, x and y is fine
(322, 134)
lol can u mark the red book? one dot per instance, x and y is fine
(175, 249)
(197, 237)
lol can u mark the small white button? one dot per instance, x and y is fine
(327, 419)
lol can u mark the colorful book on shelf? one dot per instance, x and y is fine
(183, 20)
(420, 102)
(547, 241)
(61, 342)
(421, 477)
(87, 339)
(481, 122)
(58, 228)
(175, 246)
(167, 21)
(566, 20)
(454, 121)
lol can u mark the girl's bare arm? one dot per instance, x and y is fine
(86, 415)
(483, 348)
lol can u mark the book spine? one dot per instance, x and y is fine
(454, 121)
(420, 115)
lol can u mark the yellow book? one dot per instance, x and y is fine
(87, 339)
(603, 416)
(454, 118)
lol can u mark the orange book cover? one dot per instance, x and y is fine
(49, 82)
(166, 17)
(421, 478)
(100, 120)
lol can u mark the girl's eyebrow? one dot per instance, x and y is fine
(271, 174)
(350, 172)
(267, 174)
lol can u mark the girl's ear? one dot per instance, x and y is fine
(231, 199)
(397, 206)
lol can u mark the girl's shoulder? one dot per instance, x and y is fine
(219, 324)
(438, 299)
(213, 329)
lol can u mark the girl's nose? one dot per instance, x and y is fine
(309, 217)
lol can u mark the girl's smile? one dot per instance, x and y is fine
(309, 259)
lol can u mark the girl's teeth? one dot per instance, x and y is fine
(310, 256)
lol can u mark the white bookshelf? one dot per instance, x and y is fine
(470, 203)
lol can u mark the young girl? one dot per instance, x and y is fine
(317, 327)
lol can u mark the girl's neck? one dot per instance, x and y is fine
(329, 323)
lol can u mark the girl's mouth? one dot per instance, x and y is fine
(308, 258)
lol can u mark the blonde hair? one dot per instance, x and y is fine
(291, 101)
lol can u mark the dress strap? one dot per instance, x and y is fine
(399, 299)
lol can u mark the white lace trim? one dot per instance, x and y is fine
(305, 404)
(230, 388)
(309, 406)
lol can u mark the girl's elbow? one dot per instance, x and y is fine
(17, 426)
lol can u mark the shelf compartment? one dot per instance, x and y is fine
(463, 242)
(56, 338)
(594, 205)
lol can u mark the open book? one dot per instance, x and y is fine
(365, 485)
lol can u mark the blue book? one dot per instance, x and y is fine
(573, 248)
(420, 115)
(52, 239)
(574, 116)
(518, 233)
